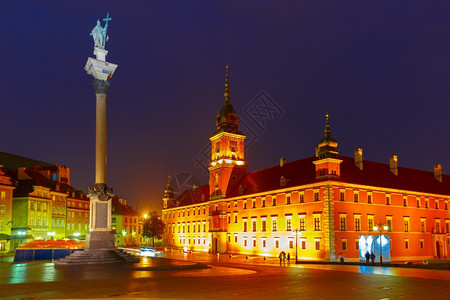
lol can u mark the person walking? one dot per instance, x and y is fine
(281, 257)
(367, 257)
(289, 258)
(372, 258)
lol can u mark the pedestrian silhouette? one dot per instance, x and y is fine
(372, 258)
(289, 258)
(367, 257)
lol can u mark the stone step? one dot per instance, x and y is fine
(96, 257)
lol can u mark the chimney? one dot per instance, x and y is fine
(393, 165)
(359, 159)
(282, 161)
(438, 173)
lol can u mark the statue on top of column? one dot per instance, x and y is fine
(99, 35)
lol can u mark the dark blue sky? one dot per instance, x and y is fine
(382, 68)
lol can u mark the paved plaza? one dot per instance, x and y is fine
(184, 276)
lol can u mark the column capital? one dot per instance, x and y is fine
(101, 86)
(101, 192)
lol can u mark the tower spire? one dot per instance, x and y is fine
(327, 131)
(227, 85)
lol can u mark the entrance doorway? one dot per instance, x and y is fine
(438, 250)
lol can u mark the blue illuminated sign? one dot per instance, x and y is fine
(373, 244)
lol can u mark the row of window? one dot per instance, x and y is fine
(317, 224)
(72, 226)
(185, 212)
(371, 225)
(182, 227)
(419, 203)
(38, 222)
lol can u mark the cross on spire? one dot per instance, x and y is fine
(106, 24)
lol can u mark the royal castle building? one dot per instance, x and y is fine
(323, 207)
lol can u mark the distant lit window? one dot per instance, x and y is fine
(277, 242)
(291, 243)
(406, 224)
(263, 224)
(388, 200)
(263, 242)
(369, 198)
(316, 196)
(422, 244)
(344, 244)
(288, 199)
(274, 224)
(342, 196)
(302, 198)
(274, 201)
(357, 244)
(355, 197)
(301, 223)
(303, 243)
(406, 243)
(317, 223)
(235, 237)
(357, 223)
(288, 223)
(343, 222)
(317, 243)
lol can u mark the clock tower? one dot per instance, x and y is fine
(227, 165)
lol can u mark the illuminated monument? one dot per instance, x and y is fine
(100, 236)
(324, 207)
(99, 245)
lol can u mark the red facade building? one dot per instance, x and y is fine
(322, 207)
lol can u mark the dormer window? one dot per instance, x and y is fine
(282, 181)
(241, 190)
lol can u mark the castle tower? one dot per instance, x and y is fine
(327, 165)
(168, 195)
(227, 165)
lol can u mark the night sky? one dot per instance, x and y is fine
(382, 68)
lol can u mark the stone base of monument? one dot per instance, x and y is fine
(96, 257)
(99, 249)
(99, 241)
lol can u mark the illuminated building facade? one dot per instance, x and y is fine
(6, 194)
(323, 207)
(78, 208)
(125, 223)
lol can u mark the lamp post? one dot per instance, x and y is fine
(380, 227)
(296, 247)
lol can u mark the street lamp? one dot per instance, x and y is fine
(381, 227)
(296, 239)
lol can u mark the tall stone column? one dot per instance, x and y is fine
(101, 88)
(100, 237)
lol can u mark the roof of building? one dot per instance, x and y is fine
(193, 196)
(121, 208)
(12, 161)
(301, 172)
(25, 186)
